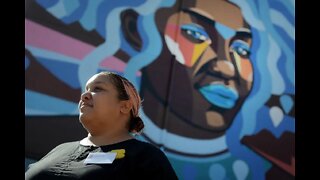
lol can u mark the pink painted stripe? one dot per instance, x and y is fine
(115, 64)
(43, 37)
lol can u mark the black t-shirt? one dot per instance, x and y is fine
(141, 160)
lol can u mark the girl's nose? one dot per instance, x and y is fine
(85, 96)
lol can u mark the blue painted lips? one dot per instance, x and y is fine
(220, 95)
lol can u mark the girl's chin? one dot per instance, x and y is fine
(83, 118)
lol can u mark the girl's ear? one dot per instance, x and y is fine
(129, 28)
(125, 107)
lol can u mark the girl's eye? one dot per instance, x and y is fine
(97, 89)
(242, 48)
(194, 33)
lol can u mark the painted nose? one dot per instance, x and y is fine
(220, 63)
(225, 67)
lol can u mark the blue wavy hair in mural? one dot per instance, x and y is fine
(272, 24)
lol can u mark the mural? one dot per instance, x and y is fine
(217, 78)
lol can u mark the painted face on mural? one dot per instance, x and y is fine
(205, 63)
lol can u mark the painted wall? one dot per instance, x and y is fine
(217, 78)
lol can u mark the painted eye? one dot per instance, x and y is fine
(242, 48)
(194, 33)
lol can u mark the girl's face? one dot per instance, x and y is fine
(99, 105)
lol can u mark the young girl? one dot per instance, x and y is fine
(109, 112)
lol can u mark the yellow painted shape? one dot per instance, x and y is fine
(238, 61)
(120, 153)
(197, 51)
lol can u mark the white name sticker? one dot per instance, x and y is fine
(100, 158)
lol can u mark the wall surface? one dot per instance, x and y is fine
(217, 78)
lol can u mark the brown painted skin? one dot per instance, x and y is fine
(185, 110)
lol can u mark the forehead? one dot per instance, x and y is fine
(99, 79)
(220, 11)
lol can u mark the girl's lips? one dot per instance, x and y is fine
(220, 95)
(85, 104)
(82, 104)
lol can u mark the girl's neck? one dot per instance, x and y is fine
(100, 140)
